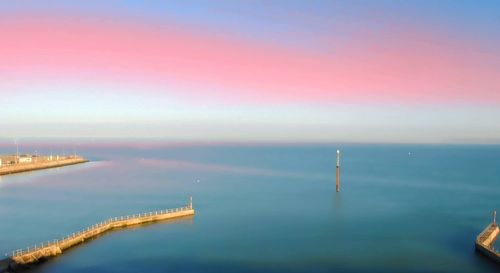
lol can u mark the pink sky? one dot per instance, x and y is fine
(400, 65)
(331, 71)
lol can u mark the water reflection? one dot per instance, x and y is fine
(337, 202)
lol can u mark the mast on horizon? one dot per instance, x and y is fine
(494, 218)
(338, 171)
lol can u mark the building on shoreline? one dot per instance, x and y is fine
(25, 159)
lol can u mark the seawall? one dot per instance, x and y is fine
(26, 167)
(485, 241)
(21, 257)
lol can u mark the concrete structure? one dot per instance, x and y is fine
(8, 160)
(9, 164)
(486, 240)
(43, 251)
(25, 159)
(337, 186)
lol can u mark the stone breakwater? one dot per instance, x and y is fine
(485, 241)
(46, 250)
(26, 167)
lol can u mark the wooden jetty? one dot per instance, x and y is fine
(486, 240)
(43, 251)
(41, 163)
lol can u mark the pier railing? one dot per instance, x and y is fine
(98, 228)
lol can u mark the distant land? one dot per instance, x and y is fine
(10, 164)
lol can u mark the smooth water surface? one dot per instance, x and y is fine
(263, 208)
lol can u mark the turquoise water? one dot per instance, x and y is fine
(263, 208)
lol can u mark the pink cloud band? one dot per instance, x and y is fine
(400, 66)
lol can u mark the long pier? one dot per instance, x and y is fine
(26, 167)
(486, 240)
(43, 251)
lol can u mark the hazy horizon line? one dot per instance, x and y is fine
(10, 141)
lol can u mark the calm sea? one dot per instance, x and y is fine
(267, 208)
